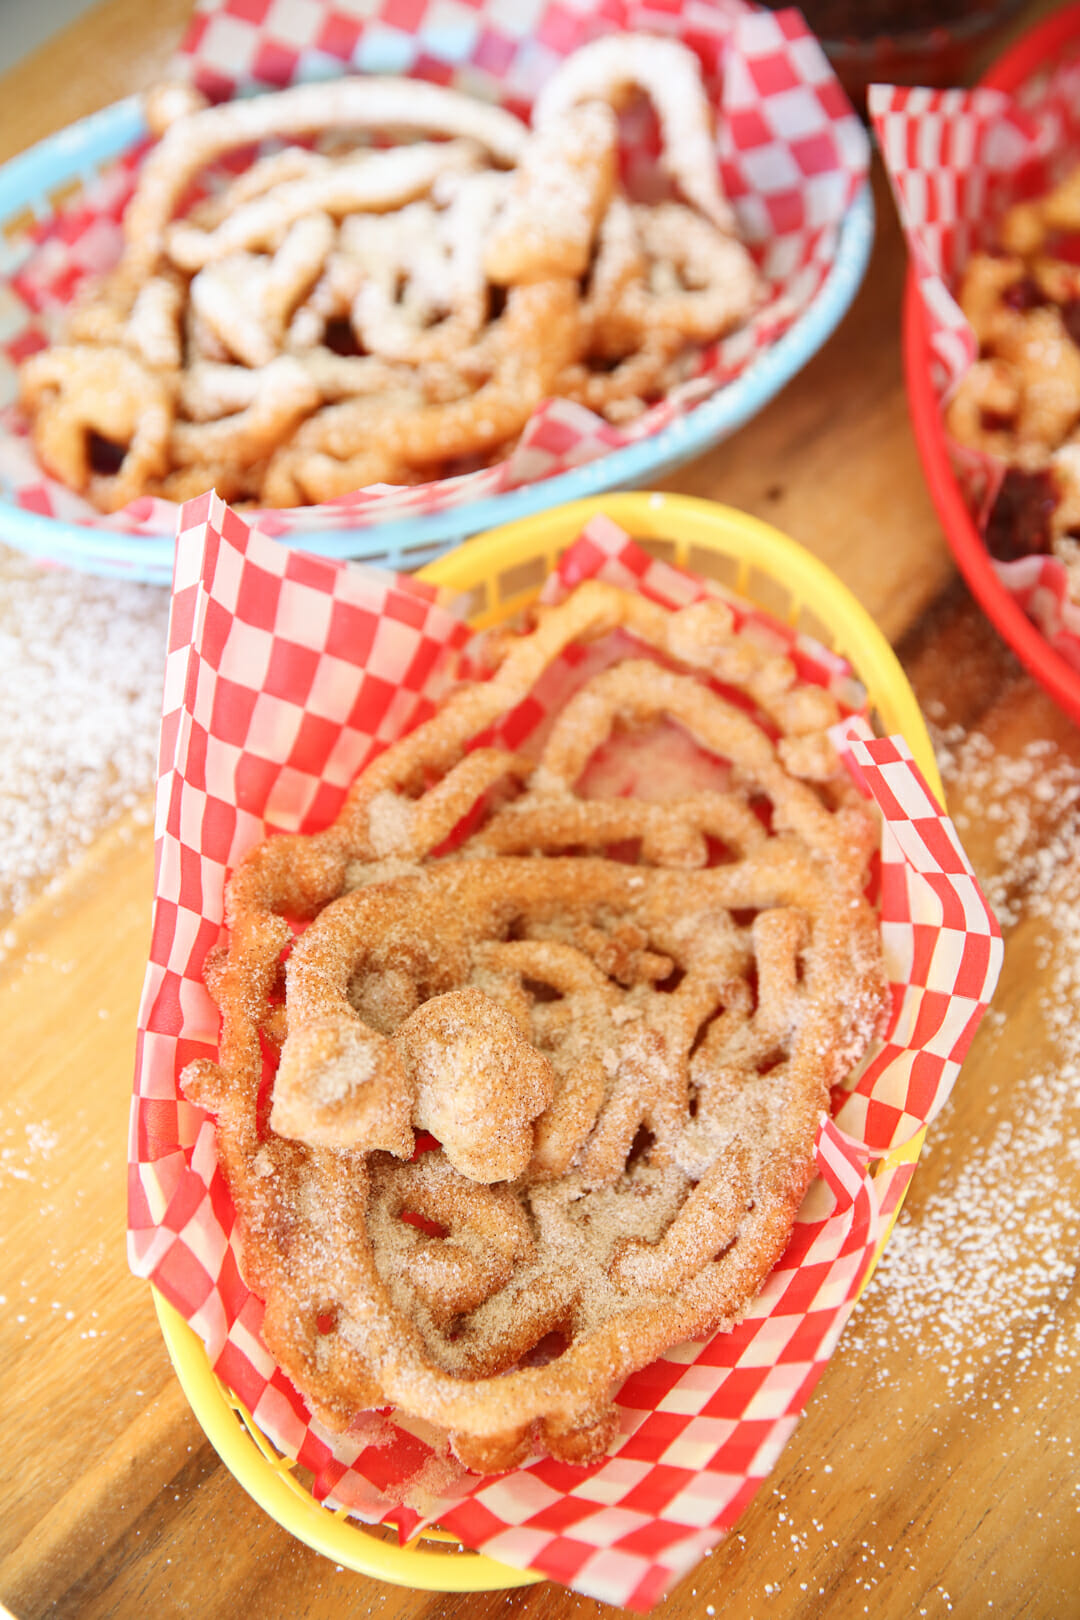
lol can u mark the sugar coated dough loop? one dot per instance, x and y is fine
(152, 330)
(352, 103)
(78, 392)
(286, 394)
(699, 282)
(540, 333)
(486, 1233)
(422, 295)
(671, 77)
(209, 390)
(341, 1083)
(479, 1083)
(377, 181)
(265, 174)
(625, 1061)
(562, 188)
(166, 103)
(246, 300)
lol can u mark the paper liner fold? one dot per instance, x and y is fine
(791, 152)
(957, 159)
(284, 675)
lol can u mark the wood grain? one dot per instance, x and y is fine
(111, 51)
(900, 1495)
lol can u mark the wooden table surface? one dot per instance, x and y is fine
(936, 1469)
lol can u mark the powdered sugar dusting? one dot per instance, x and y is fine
(977, 1281)
(20, 1159)
(974, 1292)
(80, 703)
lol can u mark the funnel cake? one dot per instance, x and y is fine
(1020, 400)
(618, 1018)
(345, 312)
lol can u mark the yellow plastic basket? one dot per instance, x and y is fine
(500, 573)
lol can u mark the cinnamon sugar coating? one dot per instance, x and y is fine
(625, 1061)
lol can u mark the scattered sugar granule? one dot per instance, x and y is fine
(980, 1278)
(81, 666)
(23, 1148)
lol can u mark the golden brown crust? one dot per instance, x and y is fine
(625, 1061)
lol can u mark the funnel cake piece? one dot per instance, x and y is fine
(458, 1066)
(79, 394)
(625, 1062)
(454, 1273)
(341, 1084)
(1027, 225)
(152, 330)
(165, 103)
(367, 103)
(562, 188)
(286, 395)
(379, 181)
(479, 1084)
(609, 69)
(247, 300)
(421, 292)
(699, 282)
(537, 336)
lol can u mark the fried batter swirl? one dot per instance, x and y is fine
(624, 1061)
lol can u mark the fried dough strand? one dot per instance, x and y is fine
(668, 72)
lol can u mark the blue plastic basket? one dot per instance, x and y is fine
(28, 184)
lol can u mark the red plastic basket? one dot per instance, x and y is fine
(1034, 51)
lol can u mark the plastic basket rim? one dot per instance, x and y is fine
(707, 525)
(1026, 57)
(104, 134)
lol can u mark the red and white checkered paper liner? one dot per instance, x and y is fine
(791, 152)
(285, 674)
(957, 159)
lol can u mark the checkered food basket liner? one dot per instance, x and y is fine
(791, 152)
(285, 674)
(957, 159)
